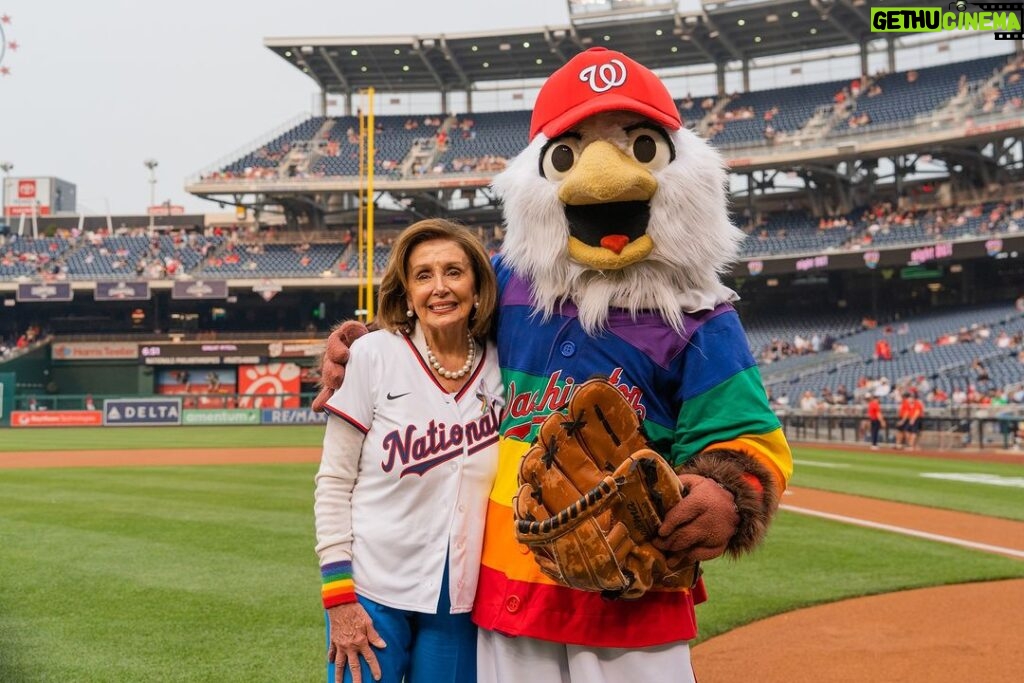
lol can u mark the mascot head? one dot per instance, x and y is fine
(614, 203)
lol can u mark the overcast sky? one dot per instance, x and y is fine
(98, 86)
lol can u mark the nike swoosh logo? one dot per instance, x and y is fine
(392, 398)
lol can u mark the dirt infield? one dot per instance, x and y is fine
(935, 635)
(950, 634)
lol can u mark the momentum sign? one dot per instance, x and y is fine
(216, 416)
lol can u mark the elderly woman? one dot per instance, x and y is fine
(409, 457)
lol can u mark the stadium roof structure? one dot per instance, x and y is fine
(654, 33)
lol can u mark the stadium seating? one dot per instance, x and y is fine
(271, 260)
(947, 365)
(902, 101)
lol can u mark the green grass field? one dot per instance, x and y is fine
(208, 573)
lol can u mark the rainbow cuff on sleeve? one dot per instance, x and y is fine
(338, 587)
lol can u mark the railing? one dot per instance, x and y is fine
(999, 427)
(249, 147)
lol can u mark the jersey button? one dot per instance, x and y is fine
(567, 349)
(512, 603)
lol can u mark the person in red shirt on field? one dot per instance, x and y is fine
(911, 412)
(877, 420)
(903, 421)
(914, 420)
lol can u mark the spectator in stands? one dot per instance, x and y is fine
(89, 403)
(808, 402)
(979, 370)
(883, 351)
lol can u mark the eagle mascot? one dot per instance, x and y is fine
(616, 234)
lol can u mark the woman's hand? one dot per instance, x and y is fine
(352, 634)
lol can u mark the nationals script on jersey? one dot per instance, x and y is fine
(425, 472)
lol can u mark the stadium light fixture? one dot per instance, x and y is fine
(741, 22)
(151, 164)
(355, 53)
(795, 14)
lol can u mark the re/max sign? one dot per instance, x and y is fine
(924, 19)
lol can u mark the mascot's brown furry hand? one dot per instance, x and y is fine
(699, 527)
(332, 364)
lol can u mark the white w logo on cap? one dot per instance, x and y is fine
(608, 76)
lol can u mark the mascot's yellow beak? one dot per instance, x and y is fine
(606, 196)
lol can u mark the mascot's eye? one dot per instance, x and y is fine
(651, 148)
(645, 149)
(559, 158)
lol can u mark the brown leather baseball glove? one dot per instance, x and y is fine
(592, 497)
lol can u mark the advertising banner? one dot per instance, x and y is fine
(138, 412)
(25, 196)
(310, 348)
(48, 291)
(260, 386)
(94, 351)
(293, 416)
(57, 418)
(121, 291)
(220, 417)
(200, 289)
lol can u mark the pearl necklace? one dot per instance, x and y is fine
(453, 374)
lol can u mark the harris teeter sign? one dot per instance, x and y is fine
(1003, 19)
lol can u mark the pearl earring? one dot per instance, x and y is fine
(476, 304)
(408, 313)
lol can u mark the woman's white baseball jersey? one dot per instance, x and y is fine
(425, 472)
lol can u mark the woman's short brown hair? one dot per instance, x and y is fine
(392, 302)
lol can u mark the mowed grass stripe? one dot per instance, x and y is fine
(147, 438)
(807, 561)
(898, 478)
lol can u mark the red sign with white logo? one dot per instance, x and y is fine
(57, 418)
(26, 189)
(274, 385)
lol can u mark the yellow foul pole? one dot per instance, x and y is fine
(370, 130)
(361, 303)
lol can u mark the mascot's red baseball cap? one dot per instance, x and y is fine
(599, 80)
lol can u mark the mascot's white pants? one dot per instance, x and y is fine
(525, 660)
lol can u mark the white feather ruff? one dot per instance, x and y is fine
(694, 241)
